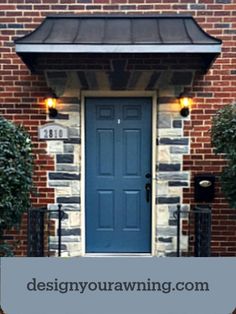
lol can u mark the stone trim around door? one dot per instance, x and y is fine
(168, 147)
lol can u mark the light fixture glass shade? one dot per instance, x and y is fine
(51, 102)
(185, 102)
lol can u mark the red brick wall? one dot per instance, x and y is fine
(21, 93)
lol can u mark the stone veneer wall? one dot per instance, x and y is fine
(171, 179)
(171, 146)
(66, 179)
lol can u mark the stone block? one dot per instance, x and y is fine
(169, 167)
(71, 232)
(184, 243)
(74, 132)
(74, 120)
(175, 191)
(70, 99)
(162, 208)
(63, 191)
(65, 158)
(170, 132)
(173, 176)
(58, 184)
(75, 253)
(61, 116)
(71, 207)
(55, 215)
(172, 189)
(54, 147)
(63, 176)
(64, 254)
(162, 246)
(70, 238)
(163, 154)
(52, 207)
(162, 188)
(169, 231)
(163, 217)
(160, 253)
(172, 108)
(68, 148)
(74, 247)
(67, 168)
(174, 141)
(74, 219)
(177, 123)
(75, 188)
(172, 222)
(68, 200)
(179, 150)
(176, 158)
(171, 254)
(165, 239)
(54, 246)
(178, 183)
(67, 208)
(67, 108)
(73, 141)
(167, 200)
(164, 121)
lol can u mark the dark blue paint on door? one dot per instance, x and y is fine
(118, 156)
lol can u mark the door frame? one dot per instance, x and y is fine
(131, 94)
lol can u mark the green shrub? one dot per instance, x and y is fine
(223, 136)
(16, 167)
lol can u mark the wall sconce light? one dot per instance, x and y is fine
(185, 103)
(51, 103)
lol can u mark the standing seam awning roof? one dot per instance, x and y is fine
(118, 34)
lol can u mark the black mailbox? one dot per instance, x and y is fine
(204, 188)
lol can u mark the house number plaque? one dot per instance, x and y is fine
(53, 131)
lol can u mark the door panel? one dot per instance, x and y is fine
(118, 156)
(105, 152)
(132, 147)
(131, 210)
(106, 210)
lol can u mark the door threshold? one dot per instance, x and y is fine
(118, 255)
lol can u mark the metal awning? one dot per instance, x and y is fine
(118, 34)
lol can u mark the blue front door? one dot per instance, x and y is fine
(118, 167)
